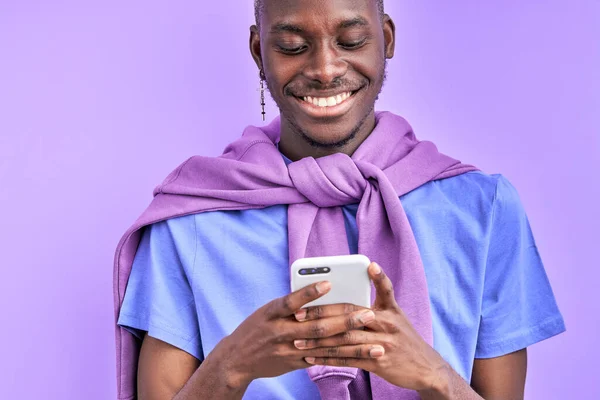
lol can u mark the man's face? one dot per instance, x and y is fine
(324, 62)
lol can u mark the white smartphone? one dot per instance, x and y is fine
(348, 275)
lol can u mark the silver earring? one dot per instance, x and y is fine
(262, 94)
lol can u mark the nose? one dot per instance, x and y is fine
(325, 65)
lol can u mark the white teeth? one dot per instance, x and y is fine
(328, 101)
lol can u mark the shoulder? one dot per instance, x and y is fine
(474, 191)
(475, 202)
(494, 191)
(475, 187)
(223, 220)
(173, 226)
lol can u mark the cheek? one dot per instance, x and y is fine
(372, 66)
(279, 73)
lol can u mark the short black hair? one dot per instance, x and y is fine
(259, 4)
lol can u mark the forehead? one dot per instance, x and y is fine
(321, 12)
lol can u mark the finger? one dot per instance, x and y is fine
(288, 305)
(356, 351)
(362, 363)
(384, 298)
(333, 310)
(352, 337)
(332, 326)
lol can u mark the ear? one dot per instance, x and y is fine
(389, 36)
(255, 49)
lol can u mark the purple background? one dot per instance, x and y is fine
(100, 100)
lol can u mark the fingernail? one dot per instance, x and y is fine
(323, 287)
(300, 344)
(301, 315)
(376, 268)
(310, 360)
(376, 351)
(366, 317)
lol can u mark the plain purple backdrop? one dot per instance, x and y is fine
(99, 100)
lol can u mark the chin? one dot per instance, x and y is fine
(330, 138)
(328, 135)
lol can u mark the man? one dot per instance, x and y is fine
(207, 293)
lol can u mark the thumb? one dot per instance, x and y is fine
(384, 298)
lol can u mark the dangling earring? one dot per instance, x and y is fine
(262, 94)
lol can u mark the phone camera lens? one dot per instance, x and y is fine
(313, 270)
(302, 272)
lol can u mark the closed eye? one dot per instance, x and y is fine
(291, 50)
(352, 45)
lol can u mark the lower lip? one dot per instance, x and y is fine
(327, 112)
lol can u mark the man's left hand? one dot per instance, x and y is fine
(398, 353)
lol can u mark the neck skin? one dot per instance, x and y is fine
(295, 147)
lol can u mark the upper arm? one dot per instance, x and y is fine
(518, 306)
(163, 369)
(501, 378)
(160, 308)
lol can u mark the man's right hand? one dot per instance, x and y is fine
(263, 345)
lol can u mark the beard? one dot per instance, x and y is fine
(329, 145)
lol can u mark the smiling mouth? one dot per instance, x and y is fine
(325, 102)
(327, 107)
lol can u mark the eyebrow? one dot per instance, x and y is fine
(285, 27)
(351, 23)
(348, 23)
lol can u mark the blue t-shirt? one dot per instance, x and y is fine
(196, 278)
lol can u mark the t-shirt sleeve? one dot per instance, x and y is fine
(159, 299)
(518, 308)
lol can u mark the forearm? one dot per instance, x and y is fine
(450, 386)
(212, 381)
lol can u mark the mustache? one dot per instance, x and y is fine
(298, 89)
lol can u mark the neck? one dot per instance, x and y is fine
(295, 146)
